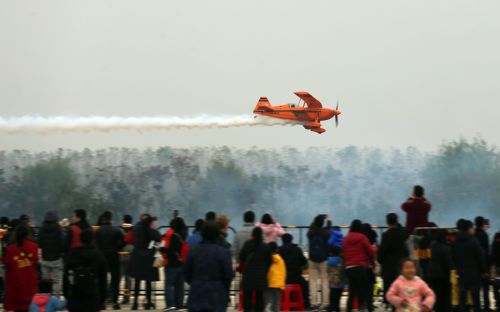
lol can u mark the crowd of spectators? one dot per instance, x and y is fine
(422, 267)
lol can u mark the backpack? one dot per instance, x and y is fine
(317, 248)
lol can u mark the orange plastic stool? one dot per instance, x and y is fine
(292, 298)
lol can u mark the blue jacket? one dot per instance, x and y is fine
(194, 239)
(50, 302)
(336, 238)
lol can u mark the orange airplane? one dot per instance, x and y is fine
(309, 114)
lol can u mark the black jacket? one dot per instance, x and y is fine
(468, 257)
(440, 263)
(109, 240)
(495, 254)
(256, 259)
(142, 257)
(50, 241)
(93, 299)
(295, 261)
(392, 251)
(484, 241)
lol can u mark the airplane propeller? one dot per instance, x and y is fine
(337, 116)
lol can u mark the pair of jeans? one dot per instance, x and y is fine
(442, 289)
(253, 300)
(272, 299)
(318, 272)
(113, 261)
(335, 296)
(53, 270)
(473, 286)
(174, 287)
(359, 287)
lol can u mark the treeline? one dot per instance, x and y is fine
(462, 179)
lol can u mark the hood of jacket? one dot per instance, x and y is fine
(354, 238)
(463, 237)
(50, 226)
(41, 299)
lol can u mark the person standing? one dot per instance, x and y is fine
(276, 279)
(272, 230)
(78, 225)
(358, 256)
(109, 240)
(468, 257)
(208, 270)
(482, 226)
(21, 260)
(195, 238)
(392, 250)
(50, 241)
(255, 259)
(439, 269)
(318, 235)
(87, 271)
(141, 267)
(495, 259)
(241, 236)
(223, 222)
(175, 250)
(295, 263)
(417, 209)
(126, 227)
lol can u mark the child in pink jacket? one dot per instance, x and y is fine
(409, 293)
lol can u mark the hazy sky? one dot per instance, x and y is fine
(406, 72)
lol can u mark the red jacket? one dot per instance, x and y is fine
(21, 275)
(357, 250)
(417, 212)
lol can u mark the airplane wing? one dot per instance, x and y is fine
(309, 99)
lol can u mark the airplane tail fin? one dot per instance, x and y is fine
(263, 105)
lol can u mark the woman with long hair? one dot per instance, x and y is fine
(21, 260)
(255, 259)
(142, 258)
(358, 257)
(271, 229)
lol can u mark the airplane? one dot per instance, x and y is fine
(310, 114)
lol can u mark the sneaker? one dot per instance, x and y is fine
(169, 309)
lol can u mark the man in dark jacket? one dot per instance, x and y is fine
(482, 226)
(295, 263)
(438, 271)
(255, 258)
(392, 250)
(294, 258)
(417, 209)
(468, 257)
(208, 270)
(109, 240)
(87, 270)
(50, 241)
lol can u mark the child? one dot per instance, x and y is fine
(45, 301)
(276, 278)
(335, 278)
(409, 293)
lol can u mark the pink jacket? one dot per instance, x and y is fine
(271, 231)
(415, 291)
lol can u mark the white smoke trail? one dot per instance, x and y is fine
(66, 124)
